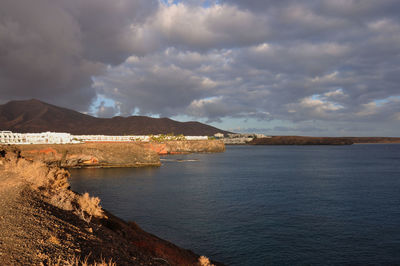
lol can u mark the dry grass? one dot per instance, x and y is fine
(204, 261)
(89, 206)
(76, 261)
(54, 240)
(52, 182)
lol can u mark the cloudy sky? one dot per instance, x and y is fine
(324, 68)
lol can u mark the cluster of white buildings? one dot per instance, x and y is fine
(128, 138)
(106, 138)
(8, 137)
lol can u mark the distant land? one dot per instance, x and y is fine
(301, 140)
(37, 116)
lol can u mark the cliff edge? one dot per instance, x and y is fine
(185, 146)
(91, 155)
(43, 222)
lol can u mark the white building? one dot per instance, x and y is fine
(8, 137)
(105, 138)
(219, 135)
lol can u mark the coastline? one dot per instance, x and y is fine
(107, 155)
(306, 140)
(43, 221)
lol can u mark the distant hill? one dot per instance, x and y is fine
(36, 116)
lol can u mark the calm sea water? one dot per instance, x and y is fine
(265, 205)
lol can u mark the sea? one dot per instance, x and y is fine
(265, 205)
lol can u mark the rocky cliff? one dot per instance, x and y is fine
(138, 154)
(92, 155)
(185, 146)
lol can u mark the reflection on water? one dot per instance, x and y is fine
(101, 173)
(265, 205)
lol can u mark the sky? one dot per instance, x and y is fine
(316, 68)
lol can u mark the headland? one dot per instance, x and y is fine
(43, 222)
(129, 154)
(304, 140)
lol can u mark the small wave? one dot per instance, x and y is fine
(178, 160)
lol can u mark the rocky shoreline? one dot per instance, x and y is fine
(139, 154)
(185, 146)
(43, 222)
(91, 155)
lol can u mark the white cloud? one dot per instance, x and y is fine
(335, 93)
(196, 27)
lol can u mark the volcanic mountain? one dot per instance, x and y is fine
(37, 116)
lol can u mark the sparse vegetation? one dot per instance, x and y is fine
(204, 261)
(167, 137)
(89, 207)
(77, 261)
(30, 192)
(53, 184)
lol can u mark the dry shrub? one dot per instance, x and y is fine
(33, 172)
(37, 173)
(52, 182)
(54, 240)
(57, 179)
(63, 200)
(89, 206)
(204, 261)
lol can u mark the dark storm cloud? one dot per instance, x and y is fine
(303, 61)
(51, 49)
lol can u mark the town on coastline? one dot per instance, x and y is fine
(9, 137)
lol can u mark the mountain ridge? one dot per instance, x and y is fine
(36, 116)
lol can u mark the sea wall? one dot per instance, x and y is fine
(91, 155)
(185, 146)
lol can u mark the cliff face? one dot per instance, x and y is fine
(185, 146)
(114, 154)
(42, 222)
(91, 155)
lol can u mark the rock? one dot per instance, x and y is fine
(185, 146)
(91, 155)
